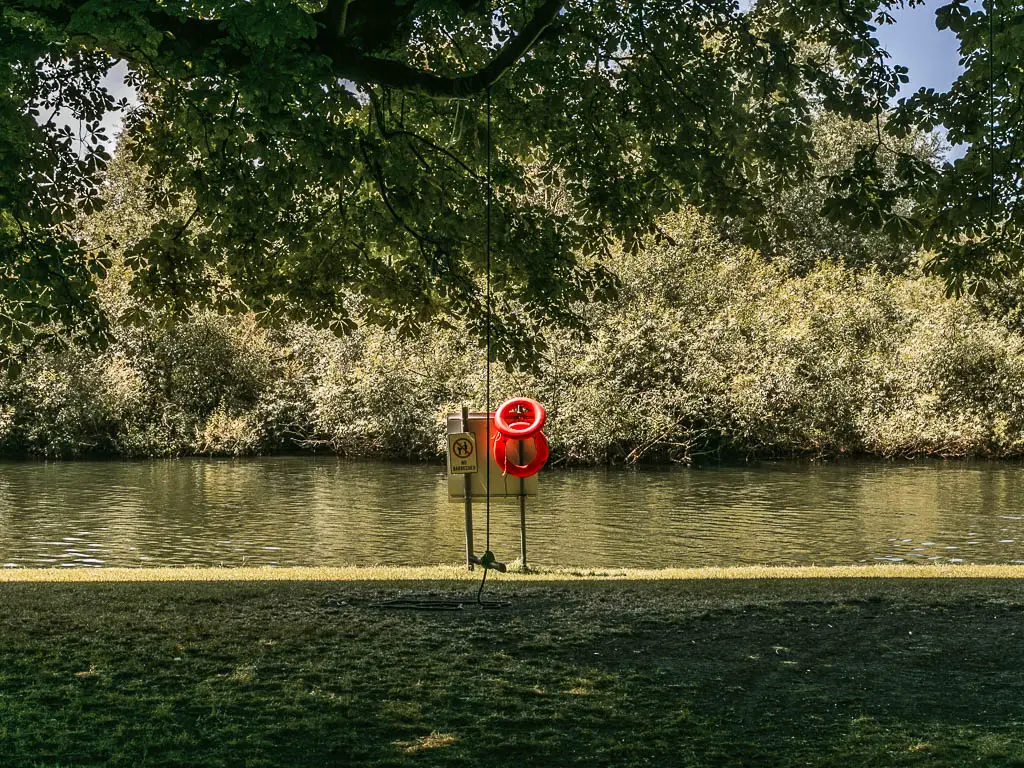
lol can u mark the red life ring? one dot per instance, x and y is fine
(519, 426)
(499, 449)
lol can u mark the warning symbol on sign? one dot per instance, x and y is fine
(461, 453)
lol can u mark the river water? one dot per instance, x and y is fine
(326, 511)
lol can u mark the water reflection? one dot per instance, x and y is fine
(324, 511)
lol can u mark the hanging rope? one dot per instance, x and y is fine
(446, 604)
(487, 309)
(991, 113)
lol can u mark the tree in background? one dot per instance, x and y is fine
(707, 349)
(332, 155)
(792, 228)
(969, 214)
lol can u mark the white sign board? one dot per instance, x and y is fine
(462, 453)
(502, 486)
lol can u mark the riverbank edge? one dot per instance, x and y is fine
(454, 573)
(617, 460)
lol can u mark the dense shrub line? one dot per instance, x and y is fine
(708, 351)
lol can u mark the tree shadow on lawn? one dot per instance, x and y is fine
(819, 672)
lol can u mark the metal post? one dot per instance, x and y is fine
(469, 497)
(522, 513)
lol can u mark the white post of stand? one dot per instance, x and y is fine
(470, 557)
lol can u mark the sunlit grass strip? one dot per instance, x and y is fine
(457, 573)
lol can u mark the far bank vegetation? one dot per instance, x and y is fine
(711, 350)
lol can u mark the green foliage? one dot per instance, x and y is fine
(327, 160)
(970, 212)
(794, 226)
(955, 386)
(56, 407)
(725, 353)
(709, 350)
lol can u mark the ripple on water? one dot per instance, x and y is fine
(315, 511)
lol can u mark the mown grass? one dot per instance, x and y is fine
(601, 671)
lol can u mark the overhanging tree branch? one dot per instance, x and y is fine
(349, 62)
(352, 64)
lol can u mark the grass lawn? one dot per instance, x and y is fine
(708, 668)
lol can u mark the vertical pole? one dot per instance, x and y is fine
(522, 513)
(468, 479)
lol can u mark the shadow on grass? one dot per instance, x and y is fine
(812, 671)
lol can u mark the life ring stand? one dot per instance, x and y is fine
(519, 418)
(499, 449)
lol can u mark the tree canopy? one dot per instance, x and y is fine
(328, 161)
